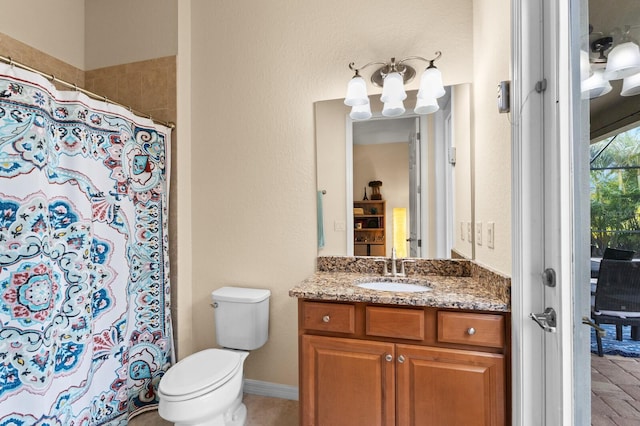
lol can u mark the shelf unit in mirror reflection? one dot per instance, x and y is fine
(369, 233)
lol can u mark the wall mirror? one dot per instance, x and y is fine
(424, 164)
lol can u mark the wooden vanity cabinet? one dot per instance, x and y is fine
(347, 382)
(389, 365)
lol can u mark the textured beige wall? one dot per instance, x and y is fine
(257, 70)
(492, 138)
(53, 27)
(27, 55)
(124, 31)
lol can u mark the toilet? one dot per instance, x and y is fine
(205, 388)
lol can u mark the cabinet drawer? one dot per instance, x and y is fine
(471, 329)
(329, 317)
(401, 323)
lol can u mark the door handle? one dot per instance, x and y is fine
(546, 320)
(601, 331)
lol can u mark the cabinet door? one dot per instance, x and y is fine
(346, 382)
(443, 387)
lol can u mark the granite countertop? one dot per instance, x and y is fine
(458, 292)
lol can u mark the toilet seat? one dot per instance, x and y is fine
(200, 373)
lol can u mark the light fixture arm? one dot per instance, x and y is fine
(407, 71)
(352, 66)
(431, 61)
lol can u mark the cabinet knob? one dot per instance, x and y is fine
(326, 318)
(388, 357)
(401, 359)
(471, 331)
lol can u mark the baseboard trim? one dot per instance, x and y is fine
(274, 390)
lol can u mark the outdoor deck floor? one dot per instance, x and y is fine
(615, 391)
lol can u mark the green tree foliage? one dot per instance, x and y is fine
(615, 192)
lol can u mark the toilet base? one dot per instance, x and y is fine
(235, 415)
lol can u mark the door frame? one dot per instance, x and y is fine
(548, 213)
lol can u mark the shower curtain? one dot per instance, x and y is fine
(85, 327)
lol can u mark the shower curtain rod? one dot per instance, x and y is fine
(54, 79)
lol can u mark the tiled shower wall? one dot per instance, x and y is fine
(146, 86)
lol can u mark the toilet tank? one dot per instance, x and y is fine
(241, 317)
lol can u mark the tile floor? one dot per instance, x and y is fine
(615, 399)
(615, 391)
(261, 411)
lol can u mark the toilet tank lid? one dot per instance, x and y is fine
(240, 294)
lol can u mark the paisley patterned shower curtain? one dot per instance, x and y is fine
(85, 328)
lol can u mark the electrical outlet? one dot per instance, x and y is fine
(469, 234)
(479, 233)
(462, 230)
(339, 226)
(490, 234)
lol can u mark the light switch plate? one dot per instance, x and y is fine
(490, 234)
(469, 234)
(479, 233)
(339, 226)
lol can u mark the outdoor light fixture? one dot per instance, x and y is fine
(392, 76)
(613, 57)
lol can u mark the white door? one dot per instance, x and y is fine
(546, 203)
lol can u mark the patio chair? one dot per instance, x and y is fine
(611, 253)
(617, 299)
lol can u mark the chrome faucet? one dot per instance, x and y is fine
(394, 266)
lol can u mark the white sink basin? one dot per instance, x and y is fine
(393, 286)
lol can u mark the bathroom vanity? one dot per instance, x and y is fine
(433, 357)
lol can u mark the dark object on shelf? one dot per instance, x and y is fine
(375, 189)
(365, 194)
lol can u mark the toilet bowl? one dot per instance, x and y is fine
(204, 389)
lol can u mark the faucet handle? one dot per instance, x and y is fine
(402, 262)
(385, 271)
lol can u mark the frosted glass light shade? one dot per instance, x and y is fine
(426, 106)
(356, 92)
(631, 85)
(623, 61)
(431, 84)
(393, 88)
(596, 85)
(393, 109)
(360, 112)
(585, 66)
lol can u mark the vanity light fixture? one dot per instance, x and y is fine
(392, 76)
